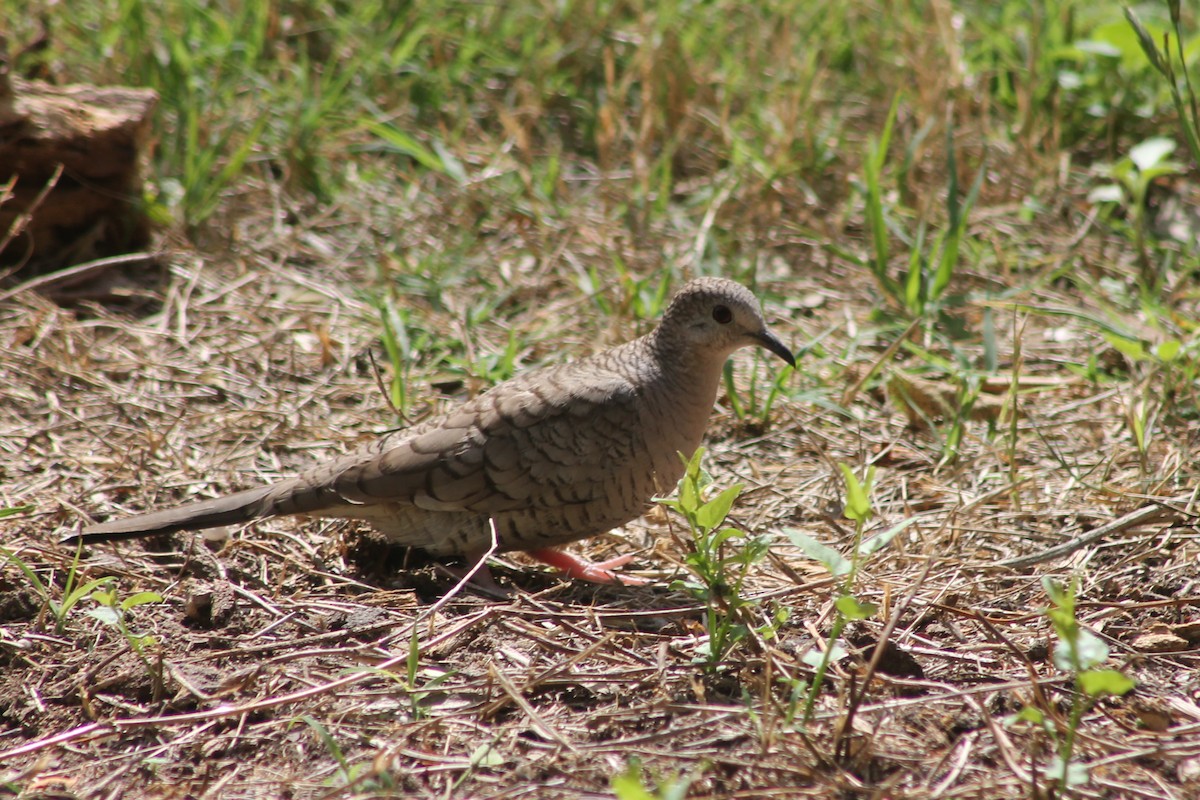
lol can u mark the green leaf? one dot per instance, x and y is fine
(105, 597)
(814, 657)
(1168, 350)
(106, 614)
(486, 756)
(1029, 714)
(1100, 682)
(881, 540)
(401, 142)
(139, 599)
(11, 510)
(1059, 595)
(713, 513)
(30, 575)
(1108, 193)
(1084, 651)
(628, 785)
(725, 534)
(858, 503)
(1068, 773)
(853, 608)
(832, 559)
(1148, 154)
(1128, 347)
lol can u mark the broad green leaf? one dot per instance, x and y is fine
(1086, 651)
(1100, 682)
(106, 614)
(832, 559)
(628, 786)
(881, 540)
(105, 597)
(1128, 347)
(814, 656)
(713, 513)
(1168, 350)
(1108, 193)
(1029, 714)
(1150, 153)
(139, 599)
(1068, 773)
(725, 534)
(858, 503)
(1098, 48)
(486, 756)
(853, 608)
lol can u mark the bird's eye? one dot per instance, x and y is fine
(723, 315)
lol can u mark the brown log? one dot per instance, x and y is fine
(71, 163)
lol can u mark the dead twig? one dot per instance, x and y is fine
(1160, 511)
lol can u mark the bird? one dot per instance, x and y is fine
(551, 456)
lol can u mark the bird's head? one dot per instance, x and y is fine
(716, 316)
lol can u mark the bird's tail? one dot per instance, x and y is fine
(232, 509)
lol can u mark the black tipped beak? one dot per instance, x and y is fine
(776, 346)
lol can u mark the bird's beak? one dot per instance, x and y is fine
(776, 346)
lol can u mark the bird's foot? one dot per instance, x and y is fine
(593, 571)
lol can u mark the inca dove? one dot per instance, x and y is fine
(551, 456)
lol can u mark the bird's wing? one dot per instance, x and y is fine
(548, 441)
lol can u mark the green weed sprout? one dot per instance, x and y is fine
(847, 607)
(920, 291)
(1080, 652)
(1131, 178)
(71, 593)
(112, 610)
(721, 574)
(1164, 62)
(628, 785)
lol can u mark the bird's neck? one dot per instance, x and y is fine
(681, 404)
(698, 369)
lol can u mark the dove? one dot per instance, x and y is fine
(551, 456)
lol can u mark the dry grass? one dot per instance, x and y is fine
(239, 369)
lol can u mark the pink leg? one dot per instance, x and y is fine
(596, 572)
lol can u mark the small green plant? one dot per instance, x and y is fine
(756, 407)
(1164, 61)
(1080, 652)
(645, 298)
(1167, 387)
(492, 367)
(720, 571)
(920, 291)
(399, 346)
(847, 606)
(196, 58)
(112, 610)
(363, 776)
(419, 683)
(629, 785)
(1130, 180)
(71, 593)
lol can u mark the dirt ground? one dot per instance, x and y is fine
(298, 658)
